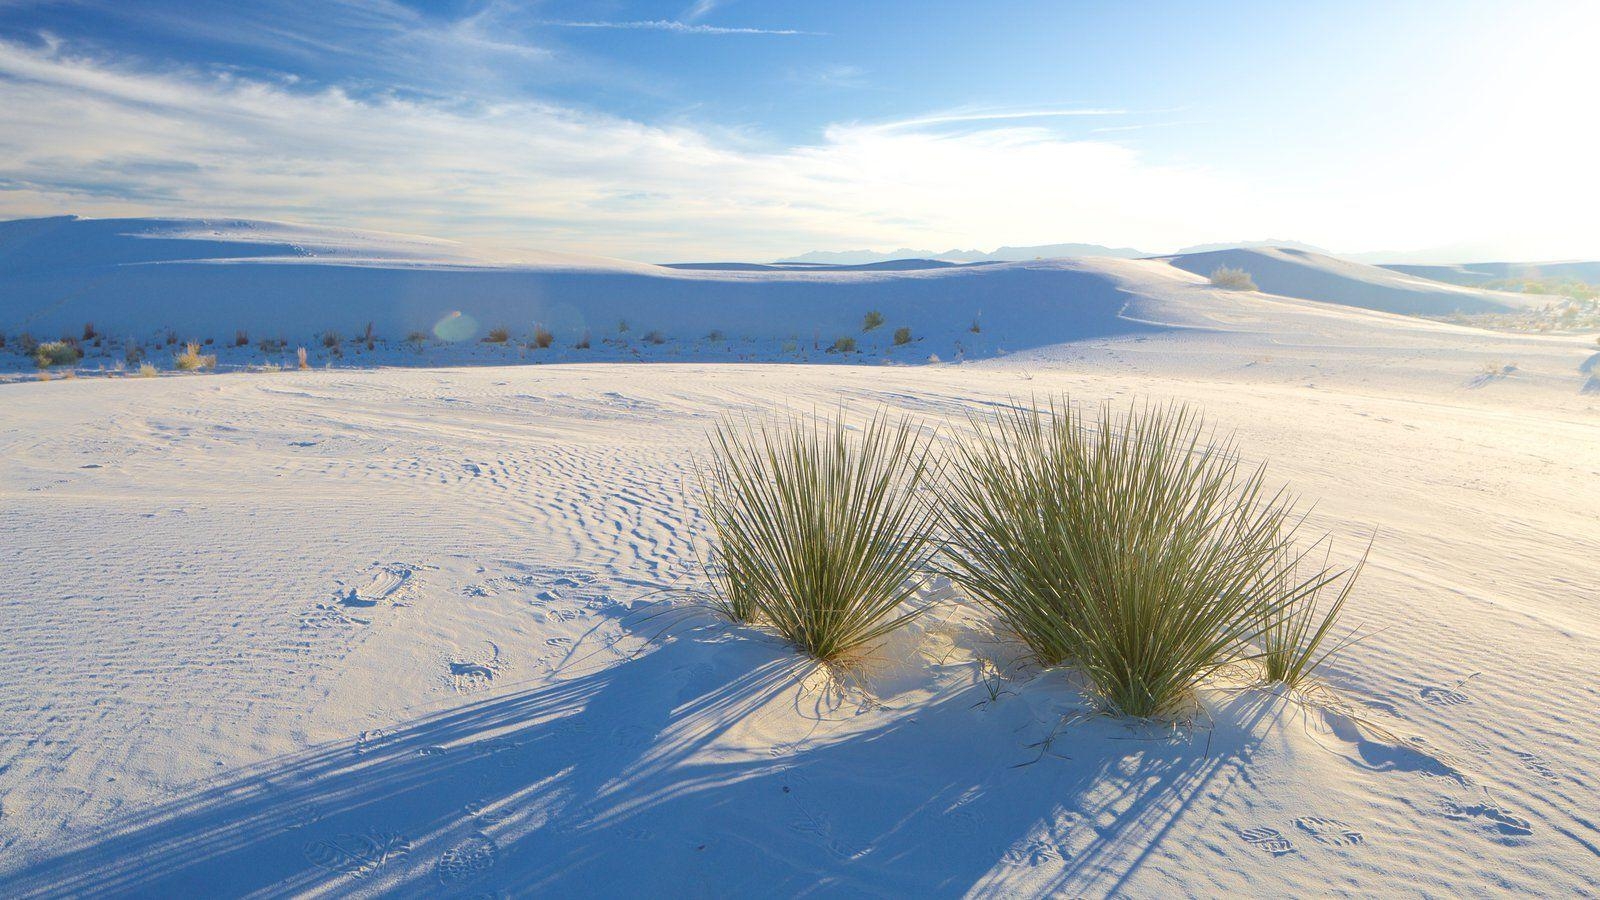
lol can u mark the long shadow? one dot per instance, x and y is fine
(614, 782)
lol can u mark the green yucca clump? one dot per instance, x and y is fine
(1127, 546)
(817, 530)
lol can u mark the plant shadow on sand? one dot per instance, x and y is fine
(661, 771)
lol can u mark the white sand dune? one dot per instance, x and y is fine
(1314, 276)
(142, 277)
(429, 632)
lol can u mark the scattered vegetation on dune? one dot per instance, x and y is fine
(1129, 546)
(1232, 279)
(872, 320)
(497, 335)
(331, 339)
(902, 336)
(583, 341)
(191, 359)
(56, 353)
(654, 337)
(241, 338)
(89, 333)
(146, 370)
(542, 338)
(843, 345)
(816, 532)
(417, 339)
(300, 358)
(272, 345)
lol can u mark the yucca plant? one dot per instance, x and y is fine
(1133, 546)
(1294, 636)
(817, 528)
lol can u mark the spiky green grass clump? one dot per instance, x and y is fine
(1130, 546)
(1294, 637)
(816, 527)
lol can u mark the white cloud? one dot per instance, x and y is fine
(89, 135)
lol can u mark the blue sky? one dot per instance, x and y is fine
(747, 130)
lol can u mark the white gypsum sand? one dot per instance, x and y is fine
(417, 630)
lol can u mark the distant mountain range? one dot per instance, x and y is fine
(1018, 254)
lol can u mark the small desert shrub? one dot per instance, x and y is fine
(300, 358)
(241, 338)
(902, 335)
(1129, 546)
(368, 337)
(331, 339)
(191, 359)
(417, 338)
(872, 320)
(843, 345)
(583, 342)
(977, 325)
(542, 338)
(816, 528)
(716, 335)
(498, 335)
(56, 353)
(146, 370)
(272, 345)
(622, 326)
(1232, 279)
(132, 352)
(26, 344)
(89, 333)
(2, 340)
(655, 337)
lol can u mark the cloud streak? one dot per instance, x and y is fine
(673, 26)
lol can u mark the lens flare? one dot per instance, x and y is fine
(457, 326)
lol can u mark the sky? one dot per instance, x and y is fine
(748, 130)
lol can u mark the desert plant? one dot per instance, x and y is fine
(1294, 635)
(977, 325)
(89, 333)
(272, 345)
(843, 345)
(2, 340)
(300, 358)
(368, 337)
(191, 359)
(542, 338)
(241, 338)
(56, 353)
(1130, 546)
(622, 326)
(132, 352)
(26, 344)
(816, 530)
(716, 334)
(872, 320)
(498, 335)
(902, 336)
(1232, 279)
(146, 370)
(655, 337)
(583, 341)
(331, 339)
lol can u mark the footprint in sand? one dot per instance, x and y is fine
(467, 860)
(1489, 816)
(367, 741)
(1270, 840)
(1444, 696)
(357, 855)
(474, 674)
(1330, 831)
(1032, 854)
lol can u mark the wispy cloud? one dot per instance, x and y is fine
(672, 25)
(700, 8)
(98, 135)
